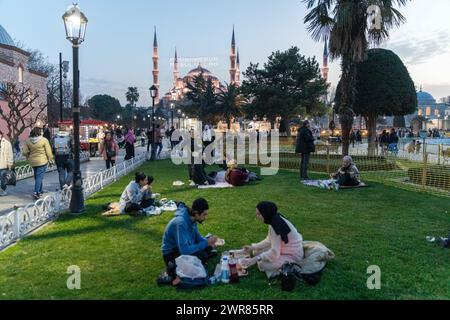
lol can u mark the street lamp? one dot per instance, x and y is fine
(75, 23)
(172, 107)
(153, 94)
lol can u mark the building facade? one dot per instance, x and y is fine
(13, 69)
(437, 113)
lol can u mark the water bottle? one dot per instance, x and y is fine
(225, 276)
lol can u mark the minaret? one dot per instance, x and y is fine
(325, 68)
(233, 69)
(238, 71)
(176, 72)
(155, 65)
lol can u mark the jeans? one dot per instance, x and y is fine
(133, 207)
(65, 167)
(346, 181)
(169, 259)
(159, 147)
(39, 173)
(110, 163)
(3, 178)
(304, 165)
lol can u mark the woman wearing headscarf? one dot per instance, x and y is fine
(282, 244)
(130, 140)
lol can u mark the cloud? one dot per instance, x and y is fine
(416, 50)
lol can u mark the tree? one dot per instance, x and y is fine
(132, 96)
(383, 88)
(24, 109)
(345, 24)
(200, 99)
(105, 108)
(230, 103)
(288, 83)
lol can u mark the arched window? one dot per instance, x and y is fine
(20, 74)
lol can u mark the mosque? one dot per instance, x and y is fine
(179, 86)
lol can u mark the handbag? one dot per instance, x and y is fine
(11, 177)
(110, 153)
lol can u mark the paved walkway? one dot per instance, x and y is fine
(21, 195)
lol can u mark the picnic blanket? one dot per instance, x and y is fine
(331, 184)
(219, 185)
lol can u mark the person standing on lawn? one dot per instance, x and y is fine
(6, 162)
(38, 152)
(182, 237)
(305, 146)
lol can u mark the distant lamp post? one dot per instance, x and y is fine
(75, 23)
(172, 107)
(153, 94)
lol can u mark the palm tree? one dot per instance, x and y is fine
(345, 24)
(230, 102)
(132, 96)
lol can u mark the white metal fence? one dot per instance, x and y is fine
(22, 221)
(26, 171)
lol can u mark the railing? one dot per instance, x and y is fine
(25, 172)
(22, 221)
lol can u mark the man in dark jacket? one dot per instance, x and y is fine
(305, 146)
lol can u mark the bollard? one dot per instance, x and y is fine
(328, 160)
(424, 171)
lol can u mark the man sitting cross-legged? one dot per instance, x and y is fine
(182, 237)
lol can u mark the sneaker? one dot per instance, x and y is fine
(36, 195)
(164, 280)
(3, 193)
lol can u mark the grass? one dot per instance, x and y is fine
(120, 257)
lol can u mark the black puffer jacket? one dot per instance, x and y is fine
(305, 141)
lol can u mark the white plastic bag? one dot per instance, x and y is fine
(190, 267)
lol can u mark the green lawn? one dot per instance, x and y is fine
(120, 257)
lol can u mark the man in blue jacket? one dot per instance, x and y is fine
(182, 237)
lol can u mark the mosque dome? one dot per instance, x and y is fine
(425, 98)
(5, 38)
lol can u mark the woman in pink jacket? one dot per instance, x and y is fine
(109, 149)
(282, 244)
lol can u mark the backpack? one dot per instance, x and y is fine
(62, 145)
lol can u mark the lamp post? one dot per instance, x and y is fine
(172, 107)
(153, 94)
(179, 120)
(75, 23)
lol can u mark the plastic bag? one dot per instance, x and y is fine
(190, 267)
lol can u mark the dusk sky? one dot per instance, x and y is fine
(118, 48)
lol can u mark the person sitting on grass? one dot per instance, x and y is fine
(136, 197)
(283, 243)
(181, 237)
(348, 175)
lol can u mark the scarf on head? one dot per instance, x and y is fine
(273, 218)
